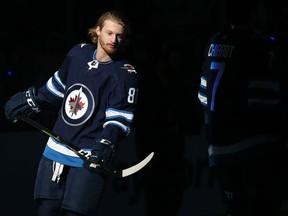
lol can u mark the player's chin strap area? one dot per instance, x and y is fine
(84, 155)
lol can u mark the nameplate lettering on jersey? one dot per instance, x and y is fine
(220, 50)
(93, 64)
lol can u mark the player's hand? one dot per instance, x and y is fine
(22, 103)
(102, 152)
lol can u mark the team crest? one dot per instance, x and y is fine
(79, 105)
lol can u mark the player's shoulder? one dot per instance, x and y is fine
(125, 67)
(82, 48)
(215, 36)
(125, 72)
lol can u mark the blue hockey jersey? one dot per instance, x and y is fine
(242, 95)
(98, 99)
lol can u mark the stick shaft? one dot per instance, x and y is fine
(50, 133)
(83, 154)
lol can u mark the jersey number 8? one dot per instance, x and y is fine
(131, 95)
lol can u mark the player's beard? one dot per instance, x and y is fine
(108, 48)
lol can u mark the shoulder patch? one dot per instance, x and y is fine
(83, 44)
(129, 68)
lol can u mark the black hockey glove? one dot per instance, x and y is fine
(22, 103)
(102, 152)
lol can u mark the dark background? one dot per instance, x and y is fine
(167, 47)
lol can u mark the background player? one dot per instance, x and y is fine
(243, 94)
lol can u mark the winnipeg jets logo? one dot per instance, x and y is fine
(93, 64)
(76, 104)
(129, 68)
(79, 105)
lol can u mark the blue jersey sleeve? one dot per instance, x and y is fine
(52, 93)
(122, 102)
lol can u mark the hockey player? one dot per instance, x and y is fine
(96, 90)
(243, 96)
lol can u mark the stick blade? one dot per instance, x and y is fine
(138, 166)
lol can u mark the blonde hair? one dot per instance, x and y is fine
(114, 16)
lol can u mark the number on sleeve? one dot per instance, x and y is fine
(131, 95)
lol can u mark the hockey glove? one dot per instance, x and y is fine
(101, 153)
(22, 103)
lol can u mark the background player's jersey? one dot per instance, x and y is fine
(98, 100)
(241, 93)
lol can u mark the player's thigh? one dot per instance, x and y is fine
(44, 186)
(83, 190)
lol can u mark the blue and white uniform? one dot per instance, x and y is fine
(98, 100)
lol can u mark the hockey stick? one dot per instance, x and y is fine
(83, 154)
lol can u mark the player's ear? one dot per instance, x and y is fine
(98, 30)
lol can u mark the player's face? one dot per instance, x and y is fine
(110, 36)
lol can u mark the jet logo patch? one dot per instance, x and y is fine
(79, 105)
